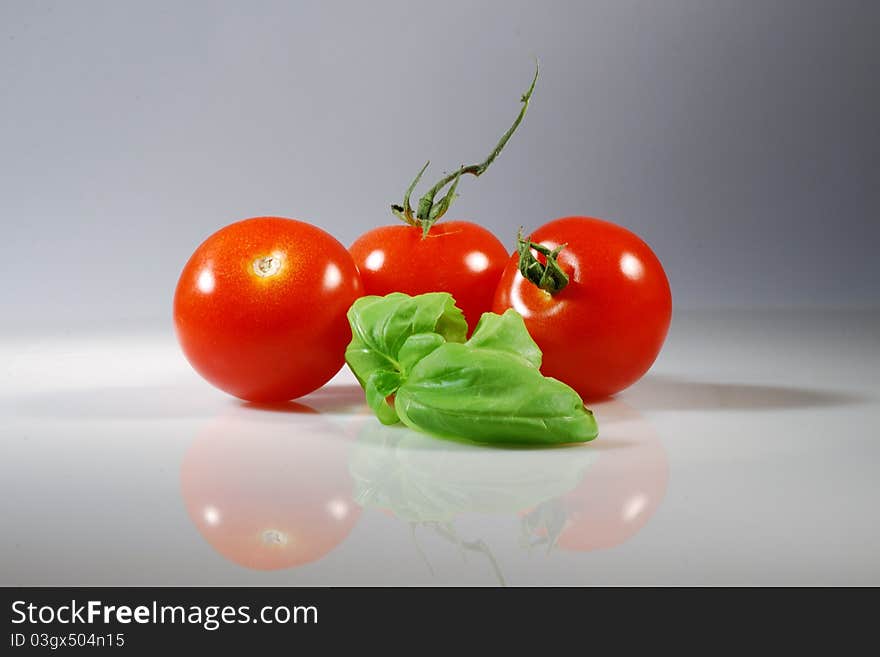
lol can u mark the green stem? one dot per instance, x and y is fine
(427, 211)
(404, 212)
(547, 276)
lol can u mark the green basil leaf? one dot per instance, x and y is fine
(506, 333)
(410, 355)
(381, 326)
(380, 385)
(417, 347)
(489, 395)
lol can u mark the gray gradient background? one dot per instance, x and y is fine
(740, 139)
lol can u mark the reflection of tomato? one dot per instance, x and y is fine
(458, 257)
(617, 496)
(266, 495)
(260, 308)
(602, 330)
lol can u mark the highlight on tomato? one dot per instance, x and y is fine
(420, 255)
(595, 299)
(259, 308)
(265, 497)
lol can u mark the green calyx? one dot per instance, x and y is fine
(547, 275)
(428, 211)
(411, 357)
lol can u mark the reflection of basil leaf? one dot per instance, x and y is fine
(488, 389)
(424, 480)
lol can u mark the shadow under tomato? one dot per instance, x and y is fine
(661, 392)
(346, 398)
(279, 407)
(142, 403)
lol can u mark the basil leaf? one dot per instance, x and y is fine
(380, 385)
(506, 333)
(410, 355)
(490, 396)
(417, 347)
(380, 327)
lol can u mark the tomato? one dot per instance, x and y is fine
(603, 330)
(266, 497)
(458, 257)
(260, 308)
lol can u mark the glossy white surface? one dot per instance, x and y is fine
(749, 455)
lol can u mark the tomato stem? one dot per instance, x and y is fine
(549, 276)
(427, 211)
(404, 212)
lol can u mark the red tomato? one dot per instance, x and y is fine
(260, 308)
(267, 498)
(458, 257)
(602, 331)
